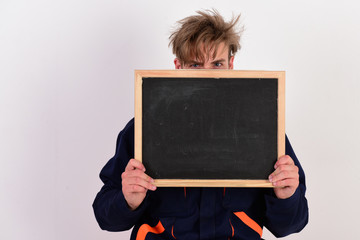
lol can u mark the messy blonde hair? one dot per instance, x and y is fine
(200, 34)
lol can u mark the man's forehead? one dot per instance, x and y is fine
(209, 51)
(210, 48)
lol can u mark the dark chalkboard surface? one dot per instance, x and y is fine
(202, 126)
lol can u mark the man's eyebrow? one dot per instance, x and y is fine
(194, 62)
(219, 60)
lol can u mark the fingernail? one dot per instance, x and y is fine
(153, 187)
(270, 178)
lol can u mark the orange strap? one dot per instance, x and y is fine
(145, 229)
(172, 232)
(249, 222)
(232, 229)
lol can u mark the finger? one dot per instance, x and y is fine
(138, 181)
(133, 188)
(133, 163)
(285, 168)
(136, 173)
(289, 182)
(284, 172)
(284, 160)
(284, 175)
(137, 177)
(137, 189)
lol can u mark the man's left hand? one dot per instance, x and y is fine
(285, 178)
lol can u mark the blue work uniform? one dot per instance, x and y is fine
(196, 213)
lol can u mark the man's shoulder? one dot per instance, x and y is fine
(129, 126)
(128, 131)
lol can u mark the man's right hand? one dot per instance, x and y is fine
(135, 183)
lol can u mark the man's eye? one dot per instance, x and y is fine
(194, 65)
(218, 64)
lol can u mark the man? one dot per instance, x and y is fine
(129, 198)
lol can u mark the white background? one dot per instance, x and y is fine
(66, 90)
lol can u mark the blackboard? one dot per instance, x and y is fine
(209, 128)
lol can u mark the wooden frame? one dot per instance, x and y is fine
(140, 74)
